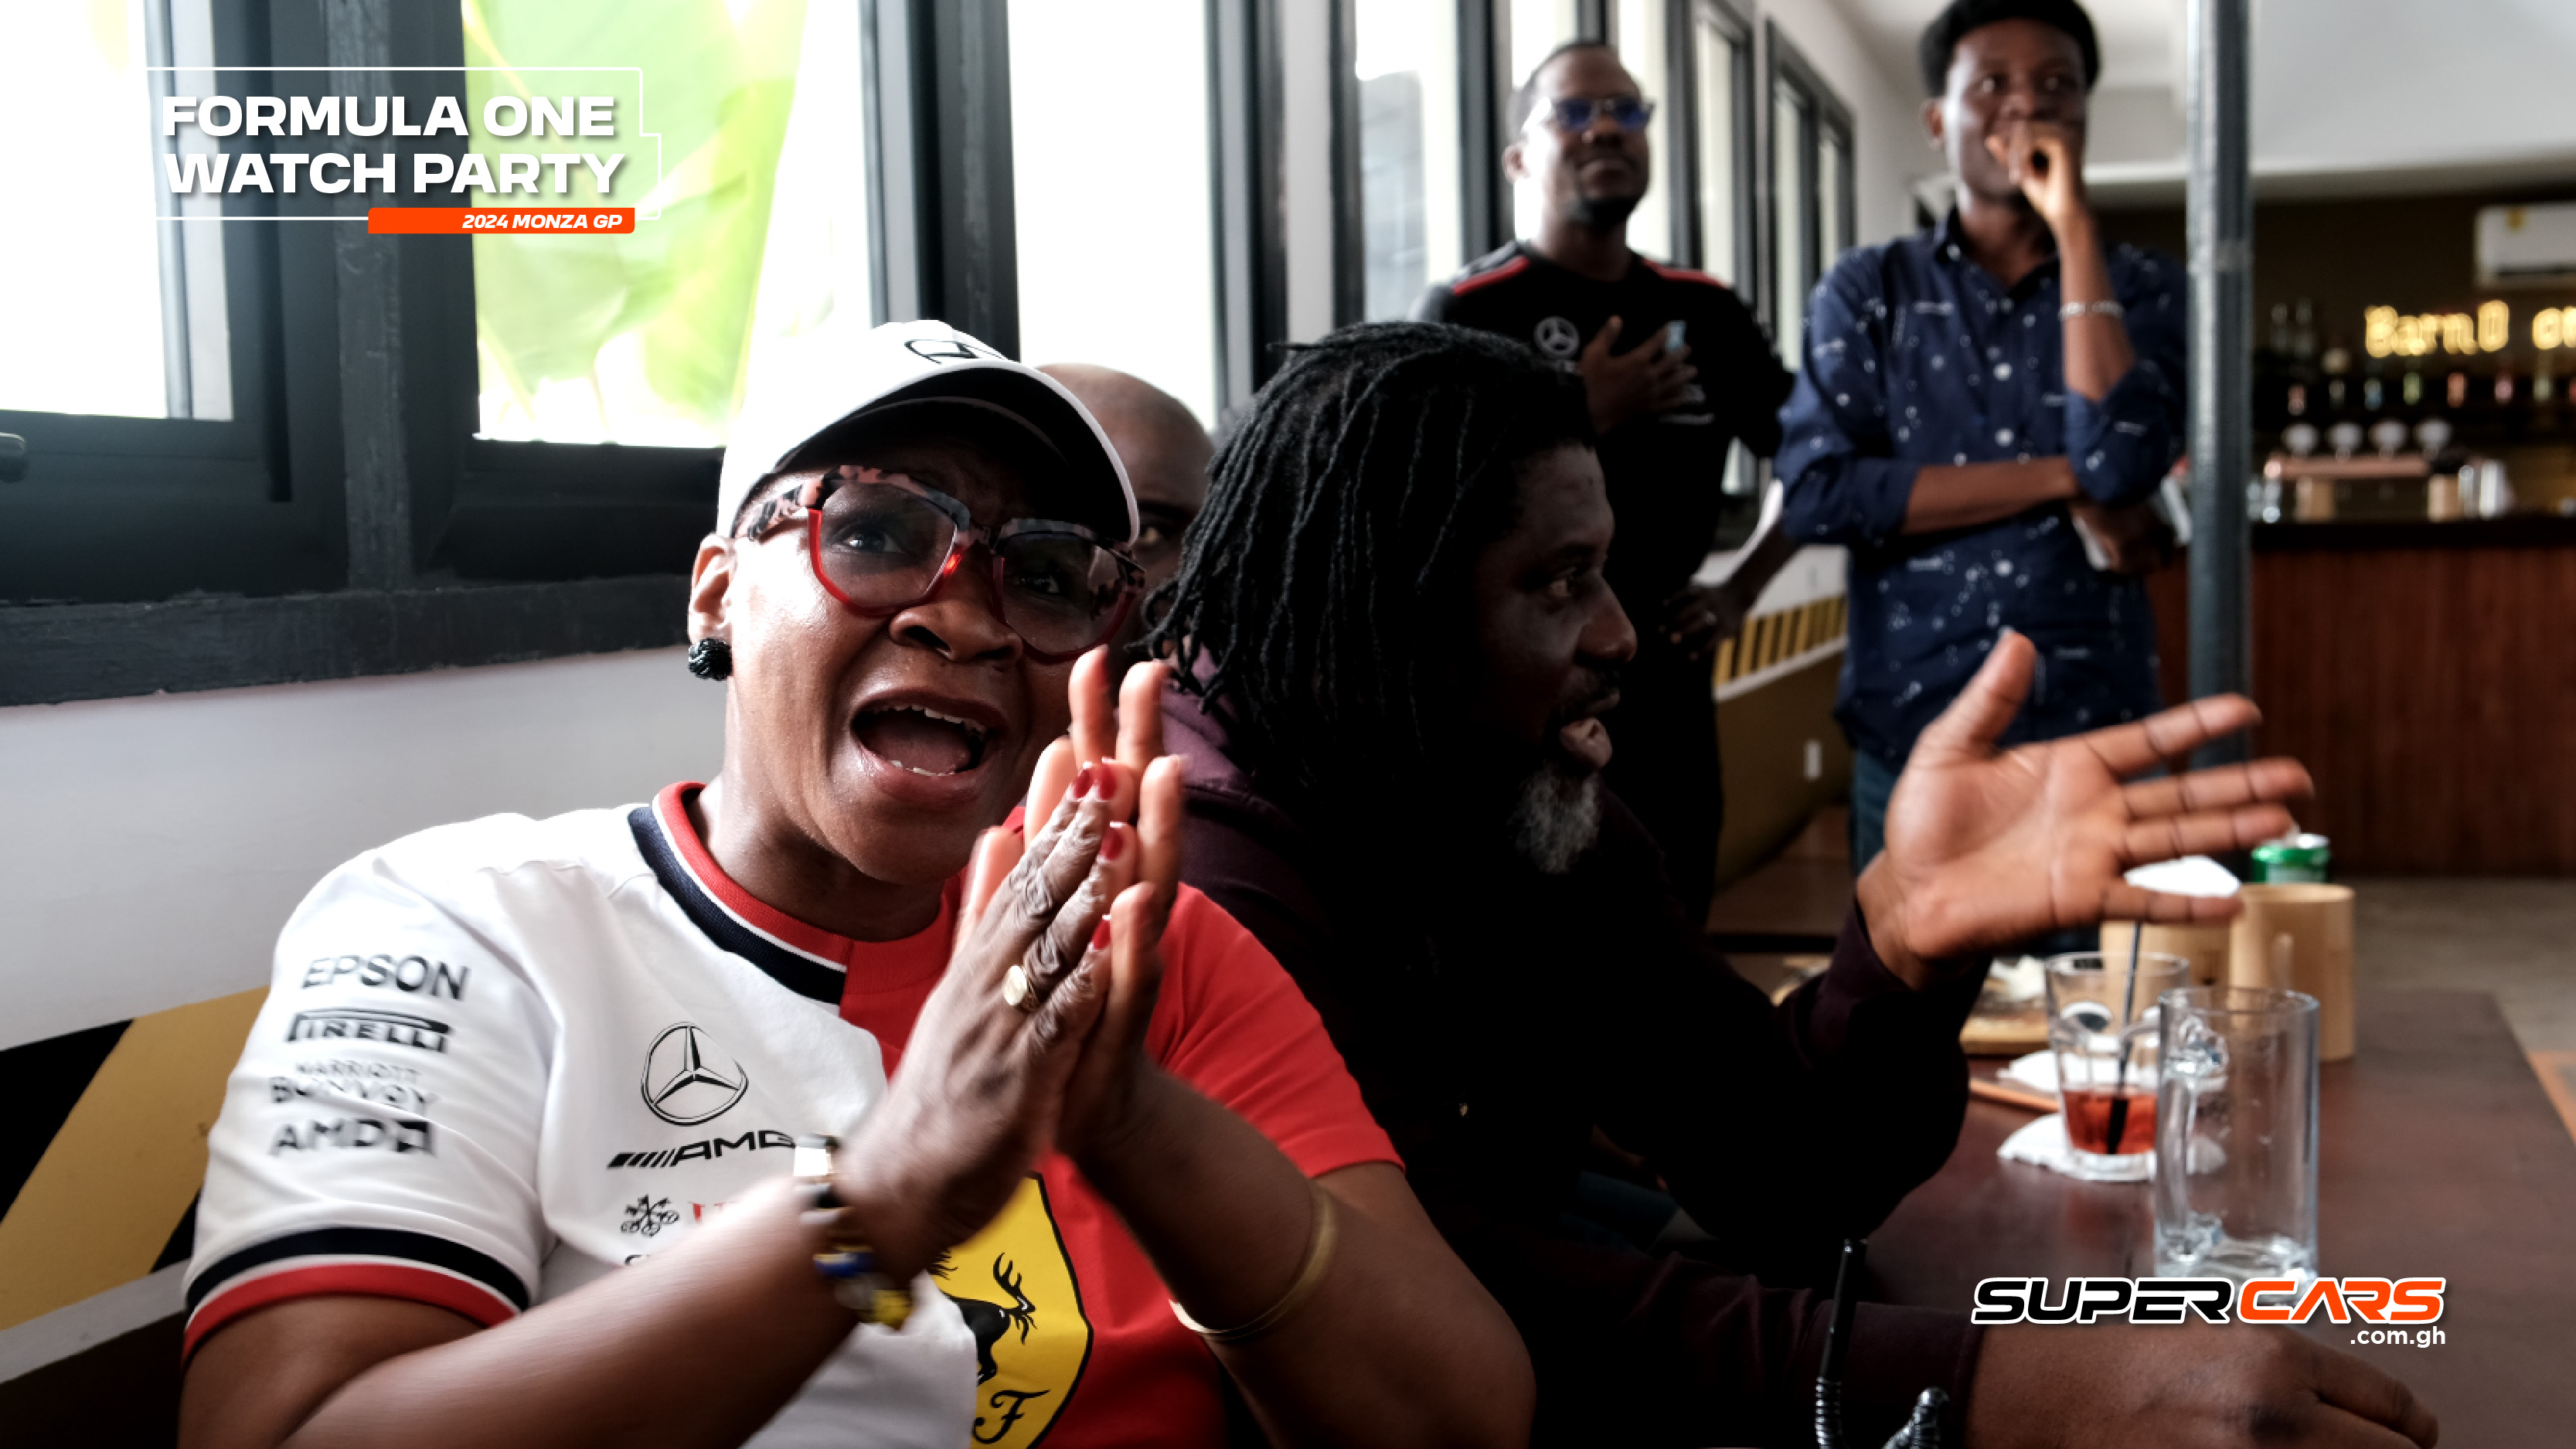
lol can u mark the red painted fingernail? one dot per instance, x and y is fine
(1113, 844)
(1081, 784)
(1106, 783)
(1100, 937)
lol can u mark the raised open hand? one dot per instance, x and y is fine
(1125, 746)
(982, 1085)
(1986, 847)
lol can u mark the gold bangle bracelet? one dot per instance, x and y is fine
(1319, 1259)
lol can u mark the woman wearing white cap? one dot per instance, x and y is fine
(1096, 1155)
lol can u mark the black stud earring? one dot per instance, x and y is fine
(711, 659)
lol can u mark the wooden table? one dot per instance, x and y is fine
(2439, 1156)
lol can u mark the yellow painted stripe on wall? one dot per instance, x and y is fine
(120, 1173)
(1784, 634)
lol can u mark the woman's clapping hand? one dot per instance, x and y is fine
(1034, 1037)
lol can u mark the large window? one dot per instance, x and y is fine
(1809, 191)
(251, 401)
(1111, 189)
(1529, 30)
(757, 234)
(1404, 57)
(1643, 36)
(142, 361)
(1721, 62)
(1793, 264)
(109, 332)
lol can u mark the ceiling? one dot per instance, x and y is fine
(2350, 97)
(2133, 35)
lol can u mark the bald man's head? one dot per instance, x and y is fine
(1166, 453)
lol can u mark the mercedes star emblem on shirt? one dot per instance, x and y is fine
(1556, 337)
(682, 1086)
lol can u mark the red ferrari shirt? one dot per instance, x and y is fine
(1075, 1338)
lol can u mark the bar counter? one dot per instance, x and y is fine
(2426, 674)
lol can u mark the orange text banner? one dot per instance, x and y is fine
(500, 221)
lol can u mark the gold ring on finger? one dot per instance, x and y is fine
(1018, 990)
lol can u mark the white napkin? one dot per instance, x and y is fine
(2190, 875)
(2043, 1144)
(2037, 1071)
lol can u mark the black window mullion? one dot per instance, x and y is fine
(1350, 221)
(1484, 199)
(1250, 230)
(940, 176)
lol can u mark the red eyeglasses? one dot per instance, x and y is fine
(882, 542)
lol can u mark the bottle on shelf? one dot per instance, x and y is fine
(2337, 364)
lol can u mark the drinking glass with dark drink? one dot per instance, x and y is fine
(2102, 1031)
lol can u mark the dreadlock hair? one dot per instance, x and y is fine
(1322, 593)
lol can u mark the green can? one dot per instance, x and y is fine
(2293, 858)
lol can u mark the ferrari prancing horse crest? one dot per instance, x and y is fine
(1016, 1289)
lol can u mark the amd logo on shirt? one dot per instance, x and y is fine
(398, 1136)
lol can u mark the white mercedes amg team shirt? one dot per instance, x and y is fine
(500, 1059)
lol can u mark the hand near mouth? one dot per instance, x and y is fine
(2045, 159)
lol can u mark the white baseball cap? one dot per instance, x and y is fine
(834, 378)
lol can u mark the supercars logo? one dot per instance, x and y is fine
(1015, 1286)
(2176, 1300)
(687, 1080)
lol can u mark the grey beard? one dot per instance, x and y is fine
(1556, 818)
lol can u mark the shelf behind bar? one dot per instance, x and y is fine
(2513, 530)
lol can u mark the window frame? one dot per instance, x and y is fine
(1739, 32)
(223, 509)
(1784, 67)
(395, 540)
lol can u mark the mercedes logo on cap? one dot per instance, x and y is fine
(683, 1083)
(950, 349)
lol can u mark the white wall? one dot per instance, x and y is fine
(1890, 152)
(156, 845)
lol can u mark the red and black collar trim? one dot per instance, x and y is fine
(716, 906)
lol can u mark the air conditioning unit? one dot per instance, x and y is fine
(2527, 246)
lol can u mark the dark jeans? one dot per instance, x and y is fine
(1872, 782)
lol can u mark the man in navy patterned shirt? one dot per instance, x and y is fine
(1981, 401)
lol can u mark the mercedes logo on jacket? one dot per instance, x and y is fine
(683, 1081)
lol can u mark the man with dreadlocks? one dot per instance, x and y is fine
(1396, 652)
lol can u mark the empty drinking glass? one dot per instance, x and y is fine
(2102, 1032)
(2236, 1135)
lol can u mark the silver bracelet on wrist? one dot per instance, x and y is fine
(2097, 309)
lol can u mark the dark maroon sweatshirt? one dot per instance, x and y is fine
(1494, 1016)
